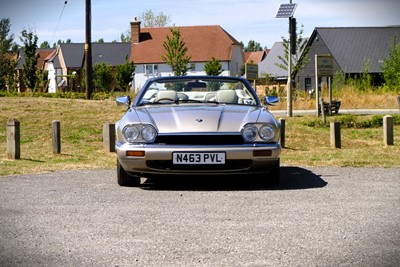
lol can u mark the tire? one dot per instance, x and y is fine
(124, 179)
(275, 174)
(271, 178)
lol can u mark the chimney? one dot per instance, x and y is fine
(135, 31)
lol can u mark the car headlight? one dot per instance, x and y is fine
(131, 133)
(149, 133)
(139, 133)
(267, 132)
(249, 133)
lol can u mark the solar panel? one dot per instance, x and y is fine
(286, 10)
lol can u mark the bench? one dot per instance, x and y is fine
(334, 107)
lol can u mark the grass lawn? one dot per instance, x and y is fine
(82, 145)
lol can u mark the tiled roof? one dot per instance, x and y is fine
(203, 43)
(255, 57)
(352, 47)
(268, 65)
(109, 53)
(42, 54)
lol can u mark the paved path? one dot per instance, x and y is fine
(316, 217)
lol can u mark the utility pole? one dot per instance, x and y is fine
(287, 11)
(88, 50)
(289, 106)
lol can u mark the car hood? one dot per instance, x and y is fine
(195, 118)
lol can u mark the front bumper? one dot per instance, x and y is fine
(157, 159)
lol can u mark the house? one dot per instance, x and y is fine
(268, 67)
(255, 57)
(354, 50)
(203, 43)
(41, 55)
(66, 64)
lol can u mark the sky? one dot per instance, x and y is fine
(245, 20)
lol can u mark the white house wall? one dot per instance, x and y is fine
(237, 61)
(165, 70)
(52, 77)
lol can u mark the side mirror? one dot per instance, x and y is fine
(124, 101)
(271, 100)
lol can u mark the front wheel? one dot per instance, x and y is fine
(124, 179)
(271, 178)
(275, 174)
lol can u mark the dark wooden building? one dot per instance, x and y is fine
(353, 50)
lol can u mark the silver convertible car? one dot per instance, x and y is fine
(197, 125)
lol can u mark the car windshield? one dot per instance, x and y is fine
(180, 91)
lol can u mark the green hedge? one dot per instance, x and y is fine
(68, 95)
(354, 121)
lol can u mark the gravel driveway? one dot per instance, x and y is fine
(317, 217)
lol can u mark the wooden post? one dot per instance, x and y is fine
(109, 136)
(56, 137)
(283, 126)
(398, 101)
(335, 135)
(388, 135)
(13, 139)
(321, 101)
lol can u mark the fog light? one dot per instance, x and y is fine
(135, 153)
(262, 153)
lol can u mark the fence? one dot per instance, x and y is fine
(14, 143)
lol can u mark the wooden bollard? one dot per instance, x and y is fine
(388, 134)
(109, 136)
(335, 135)
(56, 137)
(13, 139)
(283, 126)
(321, 101)
(398, 101)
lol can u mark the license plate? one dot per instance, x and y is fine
(198, 158)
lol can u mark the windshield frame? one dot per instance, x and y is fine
(202, 85)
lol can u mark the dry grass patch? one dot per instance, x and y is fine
(81, 134)
(82, 145)
(310, 145)
(350, 98)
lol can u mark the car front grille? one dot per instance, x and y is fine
(199, 139)
(230, 165)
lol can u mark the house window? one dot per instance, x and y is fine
(150, 69)
(192, 67)
(307, 82)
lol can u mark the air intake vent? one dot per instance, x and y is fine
(200, 140)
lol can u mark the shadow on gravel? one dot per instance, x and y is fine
(292, 178)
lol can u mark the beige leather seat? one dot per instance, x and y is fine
(227, 96)
(167, 94)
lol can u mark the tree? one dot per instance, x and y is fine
(149, 19)
(68, 41)
(126, 37)
(213, 67)
(176, 53)
(42, 80)
(7, 64)
(29, 39)
(45, 44)
(102, 76)
(391, 66)
(124, 74)
(253, 46)
(299, 59)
